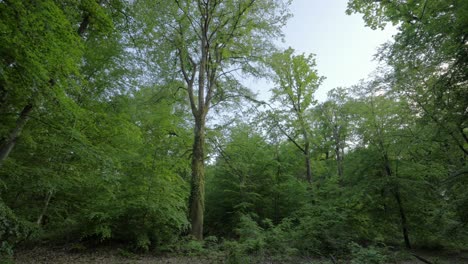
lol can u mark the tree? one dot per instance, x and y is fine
(296, 81)
(208, 40)
(429, 57)
(252, 177)
(333, 117)
(41, 52)
(384, 129)
(38, 47)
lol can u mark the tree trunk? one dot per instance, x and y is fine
(197, 195)
(44, 209)
(307, 161)
(396, 194)
(404, 224)
(9, 142)
(339, 157)
(277, 198)
(339, 161)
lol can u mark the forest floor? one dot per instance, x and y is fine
(62, 255)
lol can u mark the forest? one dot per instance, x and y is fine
(132, 126)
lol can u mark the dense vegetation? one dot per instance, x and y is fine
(130, 122)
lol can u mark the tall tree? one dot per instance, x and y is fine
(333, 117)
(429, 57)
(382, 122)
(210, 39)
(296, 81)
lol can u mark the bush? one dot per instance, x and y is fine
(257, 243)
(279, 239)
(235, 253)
(315, 233)
(323, 230)
(369, 255)
(251, 235)
(12, 231)
(144, 226)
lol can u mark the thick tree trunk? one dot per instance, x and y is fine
(9, 142)
(197, 196)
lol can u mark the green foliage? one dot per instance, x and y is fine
(12, 231)
(296, 79)
(192, 247)
(256, 243)
(144, 188)
(38, 44)
(250, 178)
(251, 236)
(372, 255)
(105, 153)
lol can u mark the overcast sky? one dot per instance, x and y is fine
(344, 47)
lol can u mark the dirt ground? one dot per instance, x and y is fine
(62, 255)
(41, 255)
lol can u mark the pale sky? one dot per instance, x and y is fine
(344, 47)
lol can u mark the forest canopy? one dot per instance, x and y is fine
(130, 122)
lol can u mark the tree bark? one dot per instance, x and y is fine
(338, 150)
(306, 149)
(197, 192)
(44, 209)
(10, 141)
(83, 25)
(404, 224)
(401, 210)
(197, 203)
(307, 161)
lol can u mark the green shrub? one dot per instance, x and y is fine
(12, 231)
(369, 255)
(279, 239)
(211, 243)
(235, 253)
(193, 247)
(322, 230)
(251, 235)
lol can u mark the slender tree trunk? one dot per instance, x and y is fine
(307, 161)
(306, 148)
(339, 161)
(338, 156)
(276, 198)
(404, 224)
(44, 209)
(197, 203)
(401, 210)
(3, 95)
(340, 167)
(9, 142)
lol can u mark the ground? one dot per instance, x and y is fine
(70, 255)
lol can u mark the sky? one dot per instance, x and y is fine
(343, 46)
